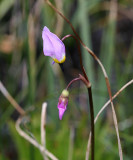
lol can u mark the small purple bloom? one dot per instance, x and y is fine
(63, 102)
(53, 46)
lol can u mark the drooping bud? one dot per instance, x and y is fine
(63, 102)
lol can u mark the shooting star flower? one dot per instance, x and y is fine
(63, 102)
(53, 46)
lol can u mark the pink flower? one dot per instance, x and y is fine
(53, 46)
(63, 102)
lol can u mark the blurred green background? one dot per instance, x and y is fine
(105, 26)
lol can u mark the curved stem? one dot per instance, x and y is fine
(82, 78)
(74, 80)
(101, 110)
(79, 51)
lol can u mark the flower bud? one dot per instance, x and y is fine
(63, 102)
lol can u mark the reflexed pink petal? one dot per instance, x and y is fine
(52, 45)
(61, 113)
(48, 48)
(62, 107)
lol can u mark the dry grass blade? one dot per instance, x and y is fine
(106, 104)
(113, 17)
(60, 21)
(18, 122)
(33, 141)
(11, 99)
(43, 124)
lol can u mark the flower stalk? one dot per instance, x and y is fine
(50, 48)
(88, 85)
(103, 70)
(92, 123)
(79, 51)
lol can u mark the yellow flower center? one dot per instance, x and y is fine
(61, 61)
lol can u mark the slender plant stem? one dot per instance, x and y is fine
(82, 78)
(101, 110)
(89, 88)
(103, 70)
(88, 85)
(109, 101)
(79, 51)
(92, 123)
(74, 80)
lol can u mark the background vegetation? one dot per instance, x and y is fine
(31, 79)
